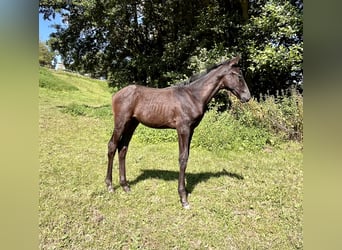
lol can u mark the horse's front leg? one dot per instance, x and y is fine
(112, 146)
(184, 139)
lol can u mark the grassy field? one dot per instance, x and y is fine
(240, 199)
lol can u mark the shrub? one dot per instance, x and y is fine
(221, 131)
(281, 115)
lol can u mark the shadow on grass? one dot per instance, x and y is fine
(192, 179)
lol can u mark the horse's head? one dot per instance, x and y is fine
(232, 79)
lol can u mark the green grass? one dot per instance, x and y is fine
(50, 81)
(240, 199)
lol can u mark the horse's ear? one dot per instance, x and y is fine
(235, 60)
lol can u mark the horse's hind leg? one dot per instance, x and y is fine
(122, 150)
(112, 146)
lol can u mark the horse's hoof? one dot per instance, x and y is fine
(110, 189)
(186, 205)
(126, 189)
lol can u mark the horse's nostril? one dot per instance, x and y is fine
(245, 99)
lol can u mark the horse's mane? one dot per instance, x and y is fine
(199, 75)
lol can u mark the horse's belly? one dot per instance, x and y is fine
(156, 117)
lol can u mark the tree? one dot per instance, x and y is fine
(45, 56)
(158, 42)
(273, 42)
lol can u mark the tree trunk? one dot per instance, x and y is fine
(244, 8)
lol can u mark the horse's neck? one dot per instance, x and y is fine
(207, 88)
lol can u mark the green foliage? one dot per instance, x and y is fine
(45, 56)
(204, 58)
(50, 81)
(281, 115)
(221, 132)
(158, 43)
(273, 43)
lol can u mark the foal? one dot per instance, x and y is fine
(179, 107)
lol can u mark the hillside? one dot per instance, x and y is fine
(68, 87)
(245, 194)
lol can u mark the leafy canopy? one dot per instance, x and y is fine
(159, 42)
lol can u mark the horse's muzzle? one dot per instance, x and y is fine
(246, 98)
(243, 100)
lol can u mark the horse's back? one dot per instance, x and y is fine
(141, 93)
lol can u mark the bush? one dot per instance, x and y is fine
(221, 131)
(282, 115)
